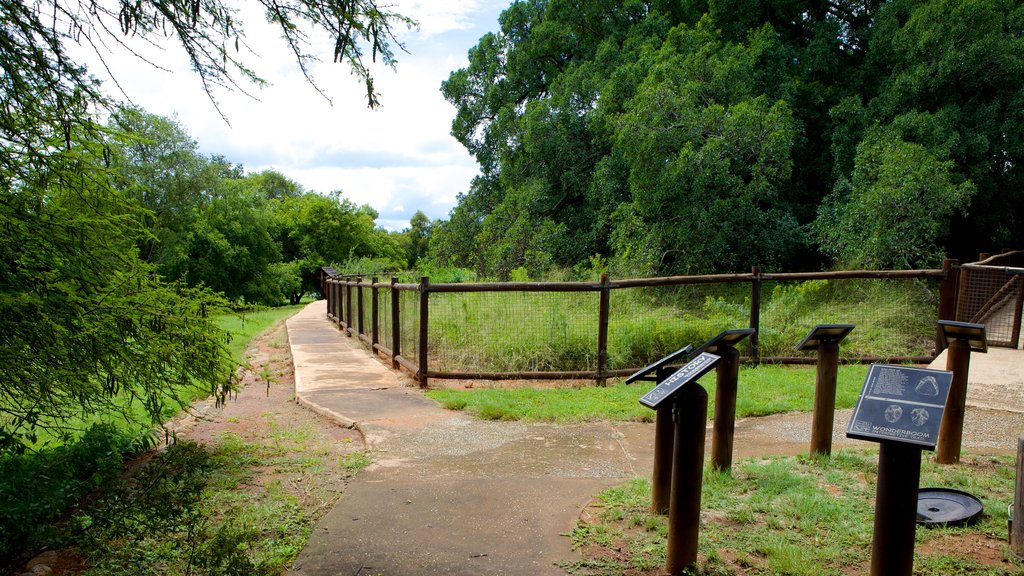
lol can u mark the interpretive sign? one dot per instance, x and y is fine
(693, 370)
(650, 371)
(902, 404)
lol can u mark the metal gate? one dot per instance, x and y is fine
(992, 293)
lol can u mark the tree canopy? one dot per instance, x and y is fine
(713, 135)
(97, 306)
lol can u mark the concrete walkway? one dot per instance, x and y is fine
(449, 494)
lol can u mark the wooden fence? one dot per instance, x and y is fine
(400, 331)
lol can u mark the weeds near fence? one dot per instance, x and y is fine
(580, 330)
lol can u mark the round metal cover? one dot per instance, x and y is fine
(947, 507)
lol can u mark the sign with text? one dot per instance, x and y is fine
(693, 370)
(901, 404)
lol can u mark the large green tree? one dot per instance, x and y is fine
(712, 135)
(84, 319)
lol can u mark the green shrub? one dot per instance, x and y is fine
(37, 488)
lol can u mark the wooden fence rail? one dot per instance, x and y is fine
(338, 292)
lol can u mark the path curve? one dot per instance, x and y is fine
(450, 494)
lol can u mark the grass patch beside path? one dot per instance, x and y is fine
(762, 390)
(798, 516)
(246, 326)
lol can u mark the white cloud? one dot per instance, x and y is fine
(396, 158)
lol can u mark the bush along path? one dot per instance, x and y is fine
(238, 491)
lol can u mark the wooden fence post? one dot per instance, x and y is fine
(348, 306)
(947, 298)
(396, 324)
(374, 314)
(360, 329)
(602, 331)
(755, 314)
(424, 317)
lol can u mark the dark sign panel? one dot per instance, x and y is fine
(901, 404)
(688, 373)
(649, 372)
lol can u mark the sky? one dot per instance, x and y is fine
(399, 158)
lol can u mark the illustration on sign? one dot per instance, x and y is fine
(902, 404)
(688, 373)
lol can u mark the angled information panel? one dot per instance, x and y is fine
(693, 370)
(650, 371)
(901, 404)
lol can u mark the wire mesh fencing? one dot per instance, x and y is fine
(518, 331)
(580, 330)
(894, 317)
(993, 296)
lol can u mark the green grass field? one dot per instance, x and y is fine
(798, 516)
(761, 390)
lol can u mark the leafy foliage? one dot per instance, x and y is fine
(713, 136)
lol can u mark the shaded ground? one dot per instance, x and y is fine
(265, 414)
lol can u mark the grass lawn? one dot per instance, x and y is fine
(763, 390)
(798, 516)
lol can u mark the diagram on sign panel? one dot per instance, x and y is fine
(893, 413)
(927, 387)
(919, 416)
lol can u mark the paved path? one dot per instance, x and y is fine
(449, 494)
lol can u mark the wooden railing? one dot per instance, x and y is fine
(396, 325)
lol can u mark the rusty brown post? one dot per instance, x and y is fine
(691, 415)
(424, 316)
(396, 324)
(602, 331)
(755, 314)
(348, 306)
(951, 429)
(359, 306)
(374, 314)
(661, 483)
(727, 374)
(947, 298)
(892, 544)
(825, 397)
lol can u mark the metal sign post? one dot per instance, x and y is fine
(726, 384)
(901, 408)
(824, 338)
(661, 483)
(689, 402)
(961, 338)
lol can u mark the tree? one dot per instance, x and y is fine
(85, 320)
(419, 238)
(727, 130)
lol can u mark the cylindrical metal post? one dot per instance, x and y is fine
(691, 415)
(727, 374)
(374, 314)
(396, 325)
(602, 330)
(661, 483)
(892, 545)
(424, 316)
(1017, 519)
(951, 429)
(755, 314)
(825, 398)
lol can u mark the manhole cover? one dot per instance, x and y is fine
(947, 507)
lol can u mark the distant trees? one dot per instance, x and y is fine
(92, 213)
(716, 135)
